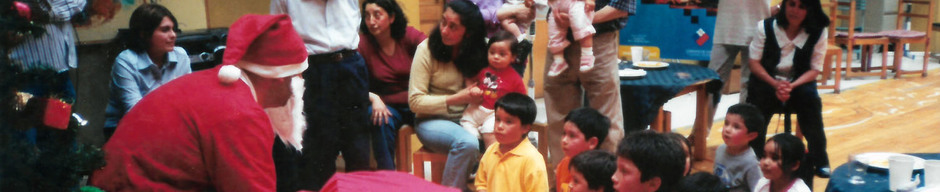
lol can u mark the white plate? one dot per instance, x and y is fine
(650, 64)
(880, 159)
(632, 73)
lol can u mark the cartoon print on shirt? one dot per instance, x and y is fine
(491, 83)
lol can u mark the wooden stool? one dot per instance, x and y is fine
(439, 160)
(796, 126)
(417, 158)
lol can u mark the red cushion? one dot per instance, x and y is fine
(903, 34)
(859, 35)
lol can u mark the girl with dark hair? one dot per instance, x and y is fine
(387, 44)
(437, 93)
(151, 60)
(786, 56)
(781, 165)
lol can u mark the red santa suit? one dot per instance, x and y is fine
(206, 131)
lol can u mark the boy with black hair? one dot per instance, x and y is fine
(584, 129)
(735, 161)
(513, 163)
(686, 149)
(701, 182)
(591, 171)
(648, 161)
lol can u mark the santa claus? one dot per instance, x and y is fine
(214, 130)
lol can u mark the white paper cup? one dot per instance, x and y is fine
(636, 53)
(899, 171)
(932, 173)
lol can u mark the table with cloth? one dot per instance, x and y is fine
(644, 97)
(381, 181)
(876, 179)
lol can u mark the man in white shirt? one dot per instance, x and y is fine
(336, 95)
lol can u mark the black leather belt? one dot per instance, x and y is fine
(331, 57)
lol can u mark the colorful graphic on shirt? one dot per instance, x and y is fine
(491, 84)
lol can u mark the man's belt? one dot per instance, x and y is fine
(331, 57)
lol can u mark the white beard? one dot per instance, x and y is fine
(288, 121)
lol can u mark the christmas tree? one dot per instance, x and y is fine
(38, 149)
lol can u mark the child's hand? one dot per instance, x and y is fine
(529, 3)
(561, 18)
(588, 5)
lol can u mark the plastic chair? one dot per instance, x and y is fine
(902, 36)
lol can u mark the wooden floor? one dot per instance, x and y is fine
(894, 115)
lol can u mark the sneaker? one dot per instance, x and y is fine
(557, 68)
(587, 63)
(823, 172)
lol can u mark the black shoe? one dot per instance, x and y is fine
(524, 48)
(823, 172)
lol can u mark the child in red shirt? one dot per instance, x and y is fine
(492, 82)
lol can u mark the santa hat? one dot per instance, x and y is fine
(266, 45)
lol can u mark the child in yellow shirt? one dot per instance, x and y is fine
(513, 163)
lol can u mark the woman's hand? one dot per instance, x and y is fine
(783, 89)
(476, 91)
(465, 95)
(380, 113)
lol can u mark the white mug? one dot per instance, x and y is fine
(899, 171)
(932, 173)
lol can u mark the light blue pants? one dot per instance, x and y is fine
(463, 149)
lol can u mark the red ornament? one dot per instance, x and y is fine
(57, 113)
(23, 10)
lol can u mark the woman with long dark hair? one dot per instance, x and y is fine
(388, 45)
(152, 59)
(786, 56)
(437, 93)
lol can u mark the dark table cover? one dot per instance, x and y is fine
(876, 179)
(642, 97)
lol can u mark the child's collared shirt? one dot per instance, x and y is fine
(562, 175)
(520, 169)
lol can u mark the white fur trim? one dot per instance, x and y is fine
(229, 74)
(297, 112)
(288, 121)
(273, 71)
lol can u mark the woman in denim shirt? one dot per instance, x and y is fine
(152, 59)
